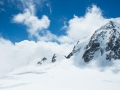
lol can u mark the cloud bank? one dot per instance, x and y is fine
(22, 53)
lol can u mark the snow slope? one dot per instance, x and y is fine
(103, 45)
(75, 72)
(62, 75)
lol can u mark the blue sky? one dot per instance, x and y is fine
(59, 13)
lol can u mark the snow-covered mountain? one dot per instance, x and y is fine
(58, 73)
(103, 44)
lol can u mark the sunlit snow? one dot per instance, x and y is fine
(60, 76)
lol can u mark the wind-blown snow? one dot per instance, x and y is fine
(60, 76)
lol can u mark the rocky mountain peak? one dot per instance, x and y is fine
(106, 40)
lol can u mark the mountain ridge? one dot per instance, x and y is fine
(105, 42)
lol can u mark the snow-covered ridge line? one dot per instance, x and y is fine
(103, 44)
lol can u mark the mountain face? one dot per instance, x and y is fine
(104, 44)
(105, 40)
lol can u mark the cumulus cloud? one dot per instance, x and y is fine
(83, 26)
(36, 27)
(34, 24)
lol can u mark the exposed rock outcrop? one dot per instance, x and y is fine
(106, 40)
(54, 58)
(42, 60)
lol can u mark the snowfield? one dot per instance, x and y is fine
(91, 72)
(62, 75)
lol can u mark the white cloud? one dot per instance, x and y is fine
(65, 39)
(34, 24)
(22, 53)
(80, 27)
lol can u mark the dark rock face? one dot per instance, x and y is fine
(106, 40)
(39, 62)
(42, 60)
(69, 55)
(73, 51)
(54, 58)
(113, 47)
(90, 49)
